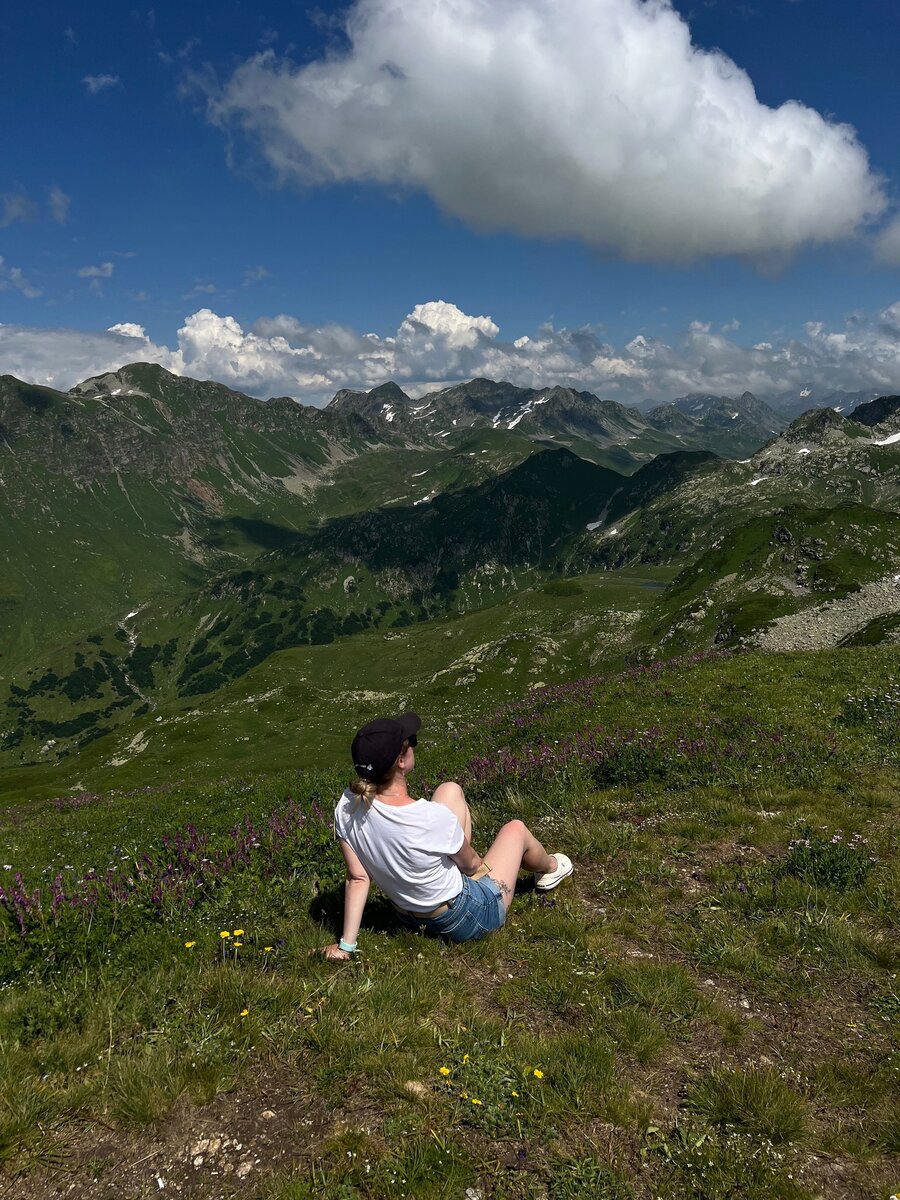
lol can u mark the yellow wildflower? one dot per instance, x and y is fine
(236, 944)
(463, 1095)
(239, 933)
(224, 934)
(516, 1094)
(245, 1012)
(538, 1074)
(474, 1101)
(465, 1058)
(187, 945)
(445, 1070)
(268, 948)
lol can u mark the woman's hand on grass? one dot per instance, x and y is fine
(335, 952)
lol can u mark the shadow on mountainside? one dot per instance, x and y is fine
(265, 534)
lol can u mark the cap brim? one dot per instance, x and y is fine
(410, 723)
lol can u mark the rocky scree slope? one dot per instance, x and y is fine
(796, 579)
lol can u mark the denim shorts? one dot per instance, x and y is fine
(477, 911)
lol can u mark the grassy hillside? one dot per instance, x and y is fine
(143, 485)
(302, 628)
(776, 565)
(271, 716)
(707, 1010)
(387, 568)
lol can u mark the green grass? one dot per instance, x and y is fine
(755, 1100)
(269, 719)
(695, 1014)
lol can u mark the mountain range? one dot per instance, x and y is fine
(577, 419)
(141, 480)
(165, 537)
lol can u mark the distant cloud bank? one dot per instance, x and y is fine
(590, 119)
(438, 344)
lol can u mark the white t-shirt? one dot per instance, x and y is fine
(405, 849)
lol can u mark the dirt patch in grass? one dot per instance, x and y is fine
(223, 1148)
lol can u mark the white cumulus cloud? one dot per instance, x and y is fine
(61, 358)
(446, 322)
(589, 119)
(129, 329)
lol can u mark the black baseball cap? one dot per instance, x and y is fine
(377, 745)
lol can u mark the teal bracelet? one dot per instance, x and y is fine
(347, 947)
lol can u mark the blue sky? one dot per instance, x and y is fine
(143, 181)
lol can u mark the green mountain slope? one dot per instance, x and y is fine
(292, 706)
(821, 459)
(466, 549)
(777, 566)
(142, 484)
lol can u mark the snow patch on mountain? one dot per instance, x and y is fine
(526, 409)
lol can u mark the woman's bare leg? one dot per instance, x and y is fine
(516, 848)
(452, 795)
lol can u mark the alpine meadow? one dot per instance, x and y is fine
(630, 579)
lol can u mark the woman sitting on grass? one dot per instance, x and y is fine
(419, 852)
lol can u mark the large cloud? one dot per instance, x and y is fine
(593, 119)
(439, 344)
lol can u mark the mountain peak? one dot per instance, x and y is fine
(135, 379)
(389, 393)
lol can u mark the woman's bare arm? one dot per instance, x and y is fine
(356, 893)
(467, 859)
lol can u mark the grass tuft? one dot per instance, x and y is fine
(754, 1100)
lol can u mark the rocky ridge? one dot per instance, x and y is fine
(571, 417)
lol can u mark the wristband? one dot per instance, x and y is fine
(347, 947)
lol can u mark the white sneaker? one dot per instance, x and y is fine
(551, 879)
